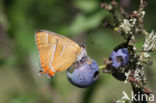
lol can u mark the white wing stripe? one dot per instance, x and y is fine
(62, 50)
(52, 59)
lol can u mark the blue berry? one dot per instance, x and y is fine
(83, 73)
(119, 57)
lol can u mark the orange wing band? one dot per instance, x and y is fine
(48, 71)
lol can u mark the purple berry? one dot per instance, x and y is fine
(83, 73)
(119, 57)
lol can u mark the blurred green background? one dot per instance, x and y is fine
(78, 19)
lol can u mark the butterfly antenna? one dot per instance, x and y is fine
(83, 43)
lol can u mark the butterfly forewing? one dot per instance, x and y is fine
(57, 52)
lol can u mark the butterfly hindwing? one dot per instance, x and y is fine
(57, 52)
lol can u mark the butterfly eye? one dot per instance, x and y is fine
(82, 45)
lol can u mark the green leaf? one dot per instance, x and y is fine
(86, 5)
(83, 23)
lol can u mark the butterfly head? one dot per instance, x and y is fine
(83, 53)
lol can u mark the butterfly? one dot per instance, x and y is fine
(57, 53)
